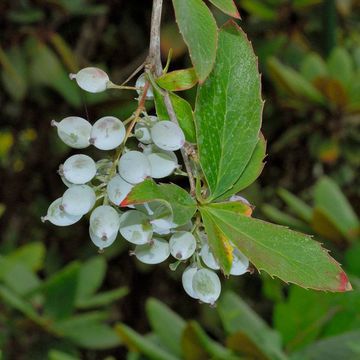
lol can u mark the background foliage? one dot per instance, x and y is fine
(311, 73)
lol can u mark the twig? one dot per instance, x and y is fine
(154, 60)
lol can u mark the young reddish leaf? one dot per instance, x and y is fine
(178, 80)
(286, 254)
(199, 30)
(228, 7)
(179, 200)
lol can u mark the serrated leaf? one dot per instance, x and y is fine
(198, 28)
(333, 204)
(179, 200)
(252, 170)
(227, 6)
(166, 324)
(178, 80)
(138, 343)
(289, 255)
(228, 111)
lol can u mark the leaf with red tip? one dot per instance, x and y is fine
(179, 200)
(228, 7)
(291, 256)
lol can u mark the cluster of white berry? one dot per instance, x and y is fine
(101, 187)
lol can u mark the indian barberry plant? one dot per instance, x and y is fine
(208, 228)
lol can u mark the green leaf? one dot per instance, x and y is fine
(30, 255)
(91, 276)
(260, 9)
(166, 324)
(60, 292)
(282, 218)
(333, 204)
(183, 112)
(178, 80)
(238, 317)
(252, 170)
(292, 82)
(103, 299)
(291, 256)
(46, 69)
(344, 346)
(313, 67)
(181, 203)
(228, 111)
(299, 207)
(198, 345)
(14, 75)
(89, 331)
(59, 355)
(15, 301)
(219, 243)
(185, 117)
(198, 28)
(340, 66)
(138, 343)
(228, 7)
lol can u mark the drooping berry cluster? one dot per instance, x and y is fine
(101, 186)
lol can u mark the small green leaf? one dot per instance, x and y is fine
(344, 346)
(197, 345)
(59, 355)
(313, 67)
(228, 7)
(292, 82)
(185, 117)
(228, 111)
(138, 343)
(60, 292)
(103, 299)
(252, 170)
(30, 255)
(89, 331)
(183, 112)
(18, 303)
(219, 243)
(175, 197)
(198, 28)
(236, 316)
(178, 80)
(340, 66)
(288, 255)
(282, 218)
(91, 276)
(299, 207)
(166, 324)
(333, 204)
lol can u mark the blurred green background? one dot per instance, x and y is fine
(60, 300)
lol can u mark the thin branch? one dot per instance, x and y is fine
(154, 60)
